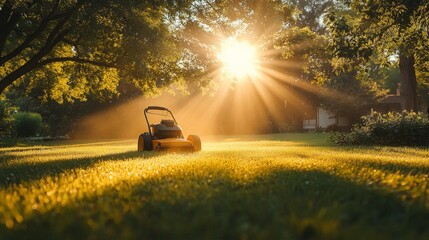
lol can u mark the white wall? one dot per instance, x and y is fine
(325, 117)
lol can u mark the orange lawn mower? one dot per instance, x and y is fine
(166, 135)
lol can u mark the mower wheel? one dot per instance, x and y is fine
(147, 141)
(196, 141)
(140, 143)
(144, 142)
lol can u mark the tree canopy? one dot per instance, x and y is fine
(53, 52)
(72, 47)
(387, 29)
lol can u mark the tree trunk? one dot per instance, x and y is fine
(408, 83)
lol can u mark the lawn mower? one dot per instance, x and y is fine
(166, 135)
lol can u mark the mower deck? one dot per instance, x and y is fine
(172, 144)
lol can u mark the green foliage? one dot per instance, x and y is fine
(382, 26)
(351, 92)
(6, 118)
(332, 128)
(71, 49)
(27, 124)
(389, 78)
(309, 13)
(346, 86)
(282, 186)
(383, 29)
(392, 129)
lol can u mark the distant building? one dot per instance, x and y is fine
(320, 118)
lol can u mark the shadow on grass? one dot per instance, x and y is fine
(280, 204)
(17, 173)
(402, 168)
(408, 150)
(58, 144)
(393, 165)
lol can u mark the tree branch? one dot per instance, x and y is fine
(42, 26)
(7, 23)
(9, 17)
(24, 44)
(76, 60)
(31, 64)
(55, 36)
(72, 42)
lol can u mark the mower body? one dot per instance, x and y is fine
(166, 135)
(176, 144)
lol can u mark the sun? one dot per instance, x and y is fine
(239, 59)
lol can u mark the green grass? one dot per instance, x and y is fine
(293, 186)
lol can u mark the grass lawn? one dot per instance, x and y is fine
(292, 186)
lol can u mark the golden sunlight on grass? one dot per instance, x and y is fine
(283, 186)
(239, 59)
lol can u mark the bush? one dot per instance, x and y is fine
(332, 128)
(27, 124)
(393, 129)
(6, 119)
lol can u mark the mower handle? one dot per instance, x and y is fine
(156, 108)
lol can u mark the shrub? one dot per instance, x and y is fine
(6, 119)
(393, 129)
(27, 124)
(332, 128)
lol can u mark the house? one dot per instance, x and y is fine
(320, 118)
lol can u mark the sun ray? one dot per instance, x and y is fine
(261, 84)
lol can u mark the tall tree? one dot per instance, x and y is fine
(207, 24)
(74, 45)
(387, 28)
(310, 13)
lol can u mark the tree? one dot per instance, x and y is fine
(6, 118)
(207, 24)
(311, 13)
(74, 46)
(387, 29)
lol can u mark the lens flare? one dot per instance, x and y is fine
(239, 59)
